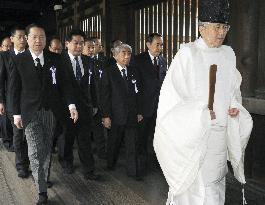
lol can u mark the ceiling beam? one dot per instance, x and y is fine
(16, 5)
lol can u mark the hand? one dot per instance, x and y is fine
(2, 109)
(74, 114)
(95, 111)
(18, 123)
(106, 122)
(139, 118)
(233, 112)
(213, 116)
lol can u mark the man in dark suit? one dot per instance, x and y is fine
(76, 65)
(120, 108)
(152, 69)
(6, 63)
(38, 83)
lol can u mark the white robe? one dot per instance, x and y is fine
(183, 120)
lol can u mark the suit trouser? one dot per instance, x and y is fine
(116, 134)
(20, 146)
(145, 143)
(81, 132)
(98, 134)
(39, 135)
(6, 129)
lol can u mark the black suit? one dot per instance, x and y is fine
(5, 124)
(98, 66)
(39, 93)
(151, 79)
(36, 92)
(120, 102)
(19, 141)
(82, 129)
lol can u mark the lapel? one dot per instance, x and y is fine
(69, 66)
(150, 64)
(30, 62)
(118, 78)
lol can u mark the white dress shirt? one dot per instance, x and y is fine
(72, 58)
(153, 57)
(120, 68)
(17, 51)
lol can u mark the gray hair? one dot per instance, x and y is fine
(118, 48)
(201, 23)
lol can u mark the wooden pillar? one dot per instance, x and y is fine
(260, 91)
(247, 44)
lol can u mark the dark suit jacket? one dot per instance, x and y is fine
(6, 64)
(82, 90)
(29, 93)
(150, 81)
(97, 66)
(119, 101)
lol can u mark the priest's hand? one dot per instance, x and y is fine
(106, 122)
(213, 116)
(233, 112)
(2, 109)
(74, 114)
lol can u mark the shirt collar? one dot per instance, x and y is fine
(34, 56)
(120, 67)
(151, 56)
(17, 52)
(72, 57)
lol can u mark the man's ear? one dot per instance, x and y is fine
(148, 44)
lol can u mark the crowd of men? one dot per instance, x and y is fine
(57, 95)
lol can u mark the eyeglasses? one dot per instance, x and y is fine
(219, 27)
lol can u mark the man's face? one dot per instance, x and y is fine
(214, 34)
(98, 46)
(89, 48)
(19, 40)
(6, 44)
(156, 46)
(76, 45)
(36, 40)
(56, 46)
(123, 57)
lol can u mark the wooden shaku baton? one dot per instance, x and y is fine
(212, 80)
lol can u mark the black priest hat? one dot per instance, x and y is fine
(214, 11)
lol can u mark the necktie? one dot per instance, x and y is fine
(39, 68)
(124, 74)
(78, 74)
(156, 66)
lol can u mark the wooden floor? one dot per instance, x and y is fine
(115, 188)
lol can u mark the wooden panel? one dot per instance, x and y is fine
(187, 20)
(175, 28)
(181, 20)
(151, 20)
(146, 23)
(165, 21)
(193, 19)
(155, 19)
(137, 31)
(142, 30)
(170, 14)
(160, 12)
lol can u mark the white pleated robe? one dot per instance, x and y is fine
(183, 121)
